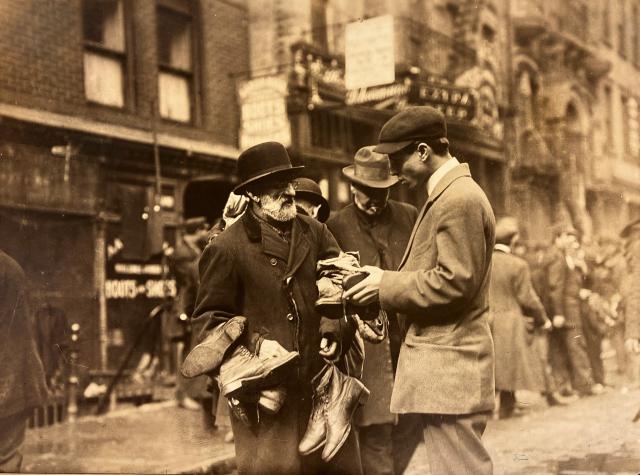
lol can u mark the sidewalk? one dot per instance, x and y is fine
(153, 438)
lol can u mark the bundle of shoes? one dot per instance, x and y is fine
(335, 400)
(338, 274)
(243, 376)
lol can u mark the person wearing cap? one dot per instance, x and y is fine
(379, 229)
(309, 200)
(566, 276)
(446, 364)
(263, 267)
(511, 297)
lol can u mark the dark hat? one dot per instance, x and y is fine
(309, 190)
(370, 169)
(265, 160)
(421, 123)
(630, 228)
(506, 228)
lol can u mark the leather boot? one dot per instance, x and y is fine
(345, 393)
(243, 370)
(207, 355)
(315, 435)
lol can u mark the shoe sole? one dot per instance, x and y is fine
(261, 381)
(193, 366)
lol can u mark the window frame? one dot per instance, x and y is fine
(124, 57)
(191, 11)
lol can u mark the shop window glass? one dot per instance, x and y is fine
(175, 62)
(104, 51)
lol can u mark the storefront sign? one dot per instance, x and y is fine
(369, 53)
(131, 280)
(376, 94)
(263, 111)
(454, 102)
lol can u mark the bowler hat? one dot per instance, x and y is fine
(309, 190)
(506, 228)
(421, 123)
(264, 161)
(370, 169)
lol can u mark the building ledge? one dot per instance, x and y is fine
(79, 124)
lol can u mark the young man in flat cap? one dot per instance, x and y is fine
(379, 229)
(446, 363)
(263, 268)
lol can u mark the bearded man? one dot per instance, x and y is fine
(263, 267)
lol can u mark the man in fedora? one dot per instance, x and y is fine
(446, 364)
(263, 268)
(379, 229)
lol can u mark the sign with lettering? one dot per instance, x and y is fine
(263, 111)
(454, 102)
(131, 280)
(369, 53)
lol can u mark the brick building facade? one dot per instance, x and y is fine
(89, 90)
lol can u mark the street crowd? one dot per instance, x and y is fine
(340, 340)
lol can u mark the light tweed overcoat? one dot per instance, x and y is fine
(446, 363)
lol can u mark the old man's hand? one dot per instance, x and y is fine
(366, 291)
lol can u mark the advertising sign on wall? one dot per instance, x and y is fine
(263, 111)
(369, 53)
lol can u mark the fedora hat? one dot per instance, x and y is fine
(370, 169)
(414, 124)
(310, 190)
(268, 160)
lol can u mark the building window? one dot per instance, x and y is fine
(104, 51)
(175, 62)
(622, 30)
(608, 119)
(319, 34)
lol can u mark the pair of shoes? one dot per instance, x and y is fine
(207, 356)
(244, 372)
(555, 399)
(335, 399)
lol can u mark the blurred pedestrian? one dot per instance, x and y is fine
(263, 268)
(446, 364)
(379, 229)
(22, 380)
(511, 298)
(566, 274)
(631, 291)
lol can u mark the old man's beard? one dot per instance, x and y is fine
(281, 209)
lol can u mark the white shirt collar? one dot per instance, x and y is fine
(503, 248)
(440, 173)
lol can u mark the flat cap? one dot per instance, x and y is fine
(423, 123)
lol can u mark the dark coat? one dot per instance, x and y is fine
(564, 286)
(381, 242)
(511, 297)
(22, 381)
(446, 359)
(248, 270)
(631, 292)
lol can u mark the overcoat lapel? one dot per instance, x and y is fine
(459, 171)
(299, 247)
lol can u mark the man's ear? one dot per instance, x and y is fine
(424, 151)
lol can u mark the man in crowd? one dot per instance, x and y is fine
(566, 274)
(379, 229)
(446, 364)
(263, 267)
(631, 290)
(22, 381)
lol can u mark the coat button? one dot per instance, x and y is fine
(274, 261)
(290, 317)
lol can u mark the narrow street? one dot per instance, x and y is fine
(592, 435)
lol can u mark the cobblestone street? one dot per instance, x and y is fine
(592, 435)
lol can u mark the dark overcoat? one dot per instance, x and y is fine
(22, 382)
(564, 284)
(248, 270)
(381, 242)
(446, 360)
(511, 297)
